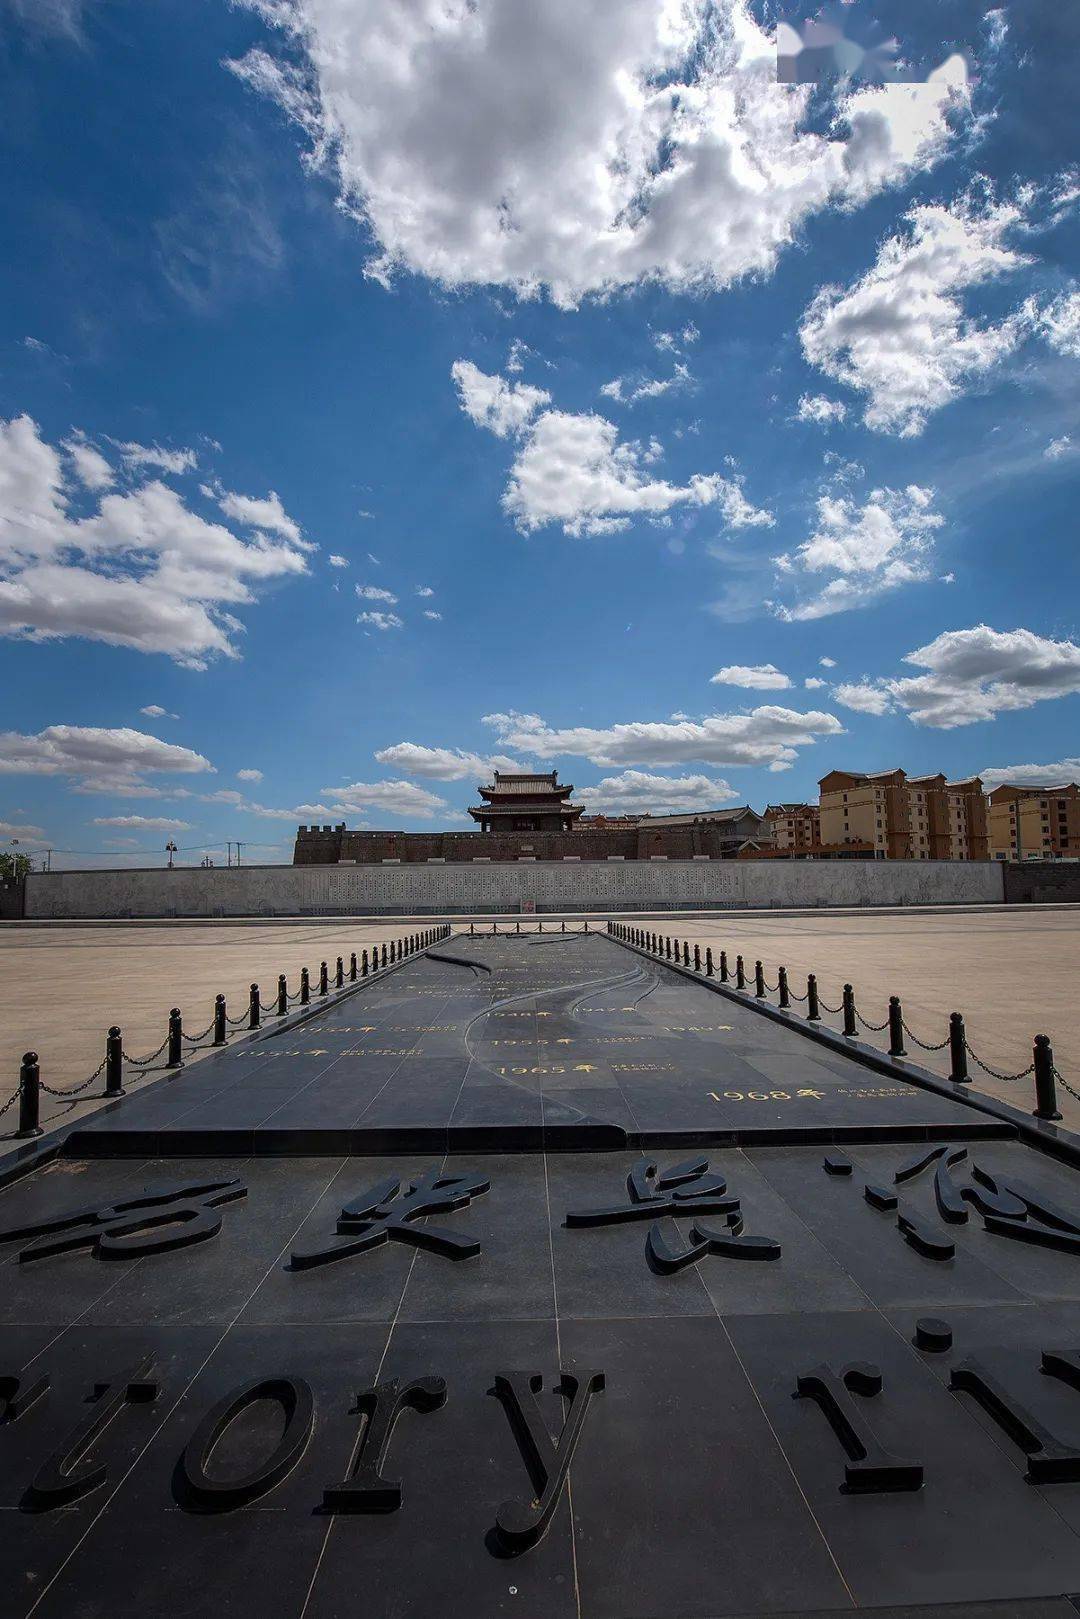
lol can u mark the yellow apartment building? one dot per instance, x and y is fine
(1035, 823)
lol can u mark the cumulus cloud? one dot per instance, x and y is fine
(375, 593)
(142, 571)
(267, 514)
(817, 408)
(635, 792)
(827, 663)
(90, 466)
(581, 150)
(1054, 775)
(900, 334)
(102, 760)
(863, 696)
(249, 775)
(336, 561)
(424, 590)
(869, 549)
(812, 683)
(154, 711)
(381, 621)
(972, 675)
(1059, 447)
(429, 612)
(143, 823)
(445, 764)
(574, 470)
(492, 402)
(393, 797)
(756, 677)
(762, 736)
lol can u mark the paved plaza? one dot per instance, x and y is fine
(534, 1278)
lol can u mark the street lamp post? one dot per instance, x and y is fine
(170, 850)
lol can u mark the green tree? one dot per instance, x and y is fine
(14, 867)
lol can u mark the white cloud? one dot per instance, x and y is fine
(636, 792)
(900, 334)
(574, 470)
(445, 764)
(381, 621)
(430, 612)
(581, 150)
(267, 514)
(974, 674)
(1059, 447)
(817, 408)
(91, 467)
(492, 402)
(154, 711)
(424, 590)
(755, 677)
(14, 832)
(863, 697)
(758, 737)
(827, 663)
(1065, 770)
(142, 571)
(812, 683)
(1060, 324)
(107, 760)
(139, 457)
(144, 823)
(375, 593)
(336, 561)
(249, 775)
(626, 393)
(394, 797)
(870, 549)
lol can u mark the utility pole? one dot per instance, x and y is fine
(238, 846)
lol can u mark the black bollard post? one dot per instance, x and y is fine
(253, 1007)
(176, 1033)
(686, 953)
(958, 1071)
(29, 1098)
(352, 967)
(759, 980)
(1045, 1089)
(384, 955)
(697, 958)
(472, 929)
(305, 987)
(363, 964)
(324, 978)
(114, 1062)
(896, 1027)
(667, 948)
(339, 974)
(849, 1010)
(723, 967)
(563, 929)
(220, 1013)
(393, 951)
(813, 1015)
(708, 963)
(740, 973)
(282, 995)
(785, 993)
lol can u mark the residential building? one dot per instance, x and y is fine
(792, 827)
(1035, 823)
(905, 817)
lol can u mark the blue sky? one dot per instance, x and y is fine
(390, 391)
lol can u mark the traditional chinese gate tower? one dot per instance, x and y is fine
(526, 803)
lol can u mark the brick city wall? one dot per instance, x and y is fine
(316, 846)
(1035, 882)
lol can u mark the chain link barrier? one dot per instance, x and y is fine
(1062, 1081)
(12, 1099)
(874, 1028)
(1005, 1079)
(73, 1090)
(833, 1011)
(144, 1062)
(922, 1045)
(195, 1039)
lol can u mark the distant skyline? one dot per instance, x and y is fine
(685, 397)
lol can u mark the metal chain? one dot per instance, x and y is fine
(875, 1028)
(12, 1099)
(796, 996)
(144, 1062)
(922, 1045)
(1006, 1079)
(75, 1089)
(193, 1039)
(1058, 1075)
(833, 1011)
(235, 1022)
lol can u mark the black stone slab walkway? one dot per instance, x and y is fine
(785, 1377)
(516, 1042)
